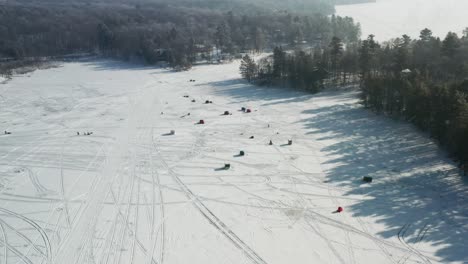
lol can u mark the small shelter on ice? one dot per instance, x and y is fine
(367, 179)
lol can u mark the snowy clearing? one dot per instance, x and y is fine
(131, 192)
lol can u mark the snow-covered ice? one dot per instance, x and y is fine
(389, 19)
(133, 193)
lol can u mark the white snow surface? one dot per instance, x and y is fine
(389, 19)
(129, 193)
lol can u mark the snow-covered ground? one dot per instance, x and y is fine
(130, 193)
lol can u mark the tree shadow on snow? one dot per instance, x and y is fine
(108, 64)
(416, 191)
(413, 188)
(243, 92)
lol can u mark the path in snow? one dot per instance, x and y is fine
(131, 193)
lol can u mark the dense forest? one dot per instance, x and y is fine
(179, 32)
(307, 7)
(423, 81)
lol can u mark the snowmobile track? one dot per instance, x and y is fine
(213, 219)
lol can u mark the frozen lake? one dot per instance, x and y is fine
(392, 18)
(131, 193)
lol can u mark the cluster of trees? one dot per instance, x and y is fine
(178, 31)
(350, 2)
(298, 70)
(424, 81)
(311, 71)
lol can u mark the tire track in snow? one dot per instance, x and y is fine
(401, 237)
(36, 149)
(332, 222)
(135, 222)
(22, 257)
(346, 233)
(78, 178)
(129, 205)
(137, 241)
(317, 230)
(336, 203)
(156, 183)
(36, 227)
(24, 237)
(212, 218)
(41, 190)
(127, 215)
(330, 190)
(112, 233)
(5, 242)
(62, 188)
(124, 217)
(378, 243)
(90, 213)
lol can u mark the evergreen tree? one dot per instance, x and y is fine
(452, 62)
(368, 56)
(349, 63)
(450, 45)
(248, 68)
(223, 37)
(465, 33)
(336, 52)
(259, 39)
(402, 53)
(365, 59)
(425, 35)
(279, 62)
(105, 37)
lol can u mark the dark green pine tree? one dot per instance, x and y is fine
(248, 68)
(223, 37)
(450, 45)
(367, 56)
(402, 53)
(105, 37)
(279, 63)
(425, 35)
(336, 52)
(452, 62)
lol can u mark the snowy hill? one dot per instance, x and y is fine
(131, 192)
